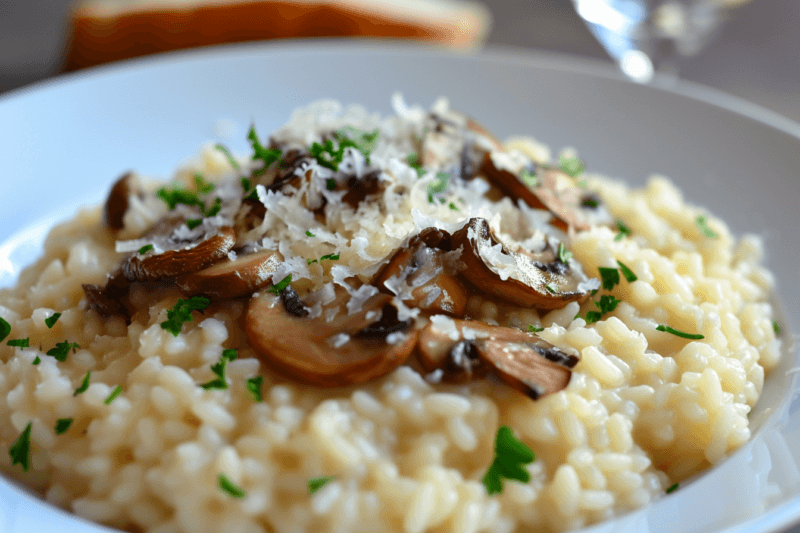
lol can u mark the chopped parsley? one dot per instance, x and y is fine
(606, 304)
(253, 386)
(310, 234)
(282, 284)
(510, 454)
(624, 231)
(178, 195)
(228, 487)
(193, 223)
(144, 249)
(250, 192)
(62, 349)
(452, 206)
(330, 184)
(571, 165)
(202, 185)
(211, 211)
(62, 425)
(708, 232)
(776, 327)
(21, 343)
(51, 320)
(316, 483)
(84, 384)
(529, 177)
(330, 257)
(627, 272)
(414, 162)
(534, 329)
(218, 369)
(438, 185)
(326, 155)
(673, 488)
(550, 289)
(609, 276)
(363, 141)
(36, 361)
(228, 155)
(182, 312)
(563, 255)
(590, 202)
(5, 329)
(113, 396)
(678, 333)
(20, 450)
(260, 153)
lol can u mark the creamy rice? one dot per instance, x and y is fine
(644, 409)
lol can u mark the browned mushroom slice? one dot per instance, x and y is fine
(179, 256)
(462, 350)
(108, 299)
(520, 277)
(118, 200)
(232, 279)
(329, 351)
(419, 276)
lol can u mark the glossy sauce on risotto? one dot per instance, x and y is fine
(380, 324)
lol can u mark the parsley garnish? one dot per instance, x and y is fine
(610, 277)
(144, 249)
(178, 195)
(668, 329)
(414, 162)
(113, 396)
(529, 177)
(182, 312)
(627, 272)
(623, 230)
(261, 153)
(590, 202)
(310, 234)
(202, 185)
(36, 361)
(606, 304)
(282, 284)
(62, 425)
(438, 185)
(563, 254)
(362, 141)
(253, 386)
(21, 343)
(330, 184)
(62, 349)
(708, 232)
(509, 456)
(5, 329)
(228, 155)
(453, 206)
(331, 257)
(20, 450)
(571, 165)
(776, 327)
(213, 210)
(550, 289)
(316, 483)
(534, 329)
(84, 384)
(227, 486)
(250, 192)
(326, 155)
(219, 369)
(51, 320)
(672, 488)
(193, 223)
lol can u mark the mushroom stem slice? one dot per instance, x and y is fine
(330, 350)
(537, 280)
(108, 299)
(233, 279)
(118, 200)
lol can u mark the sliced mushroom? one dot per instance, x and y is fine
(181, 255)
(359, 188)
(463, 350)
(118, 200)
(108, 299)
(419, 275)
(522, 278)
(456, 133)
(330, 349)
(233, 279)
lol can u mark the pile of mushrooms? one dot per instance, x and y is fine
(416, 304)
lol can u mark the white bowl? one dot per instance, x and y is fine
(65, 140)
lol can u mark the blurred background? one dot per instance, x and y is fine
(754, 53)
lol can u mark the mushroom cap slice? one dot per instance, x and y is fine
(520, 277)
(465, 349)
(347, 349)
(180, 257)
(108, 299)
(419, 276)
(117, 202)
(233, 279)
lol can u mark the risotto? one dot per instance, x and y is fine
(380, 324)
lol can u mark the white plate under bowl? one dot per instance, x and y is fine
(64, 141)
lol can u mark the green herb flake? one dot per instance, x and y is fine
(51, 320)
(452, 206)
(330, 184)
(247, 184)
(708, 232)
(213, 209)
(627, 272)
(253, 386)
(219, 370)
(609, 277)
(231, 354)
(202, 185)
(510, 454)
(36, 361)
(62, 425)
(563, 255)
(62, 349)
(260, 153)
(550, 289)
(529, 178)
(113, 396)
(776, 327)
(667, 329)
(673, 488)
(414, 162)
(316, 483)
(624, 231)
(20, 450)
(5, 329)
(330, 257)
(535, 329)
(84, 384)
(363, 141)
(182, 312)
(590, 202)
(326, 155)
(228, 487)
(20, 343)
(228, 155)
(571, 165)
(438, 185)
(144, 249)
(178, 195)
(310, 234)
(282, 284)
(606, 304)
(193, 223)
